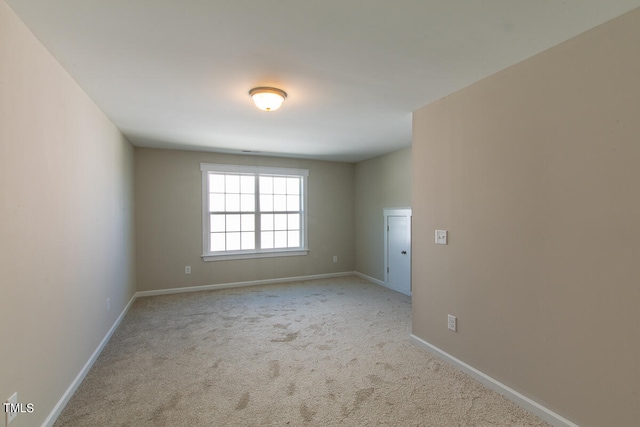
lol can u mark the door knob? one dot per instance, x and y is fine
(403, 252)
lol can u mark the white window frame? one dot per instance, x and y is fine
(208, 255)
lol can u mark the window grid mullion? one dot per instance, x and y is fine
(258, 225)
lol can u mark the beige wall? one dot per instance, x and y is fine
(66, 228)
(535, 172)
(382, 182)
(169, 221)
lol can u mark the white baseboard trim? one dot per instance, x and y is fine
(371, 279)
(57, 410)
(377, 282)
(514, 396)
(241, 284)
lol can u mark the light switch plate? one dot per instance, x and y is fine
(441, 237)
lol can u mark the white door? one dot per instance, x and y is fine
(398, 251)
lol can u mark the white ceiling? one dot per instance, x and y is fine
(176, 74)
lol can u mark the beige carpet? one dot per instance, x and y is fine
(321, 353)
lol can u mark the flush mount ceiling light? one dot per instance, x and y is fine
(267, 98)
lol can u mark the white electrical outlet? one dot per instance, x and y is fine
(187, 269)
(108, 304)
(13, 400)
(335, 258)
(452, 323)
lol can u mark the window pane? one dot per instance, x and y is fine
(280, 222)
(266, 240)
(217, 242)
(279, 203)
(216, 183)
(247, 184)
(232, 184)
(279, 185)
(294, 239)
(232, 202)
(293, 222)
(248, 222)
(266, 185)
(266, 222)
(248, 240)
(233, 241)
(280, 239)
(293, 203)
(247, 203)
(266, 203)
(216, 202)
(233, 222)
(293, 185)
(217, 223)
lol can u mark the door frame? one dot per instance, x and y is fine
(387, 212)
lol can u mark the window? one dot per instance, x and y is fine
(252, 212)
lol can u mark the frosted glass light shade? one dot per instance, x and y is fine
(267, 98)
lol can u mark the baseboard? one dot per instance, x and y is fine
(371, 279)
(377, 282)
(55, 412)
(514, 396)
(242, 284)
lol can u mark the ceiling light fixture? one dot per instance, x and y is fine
(267, 98)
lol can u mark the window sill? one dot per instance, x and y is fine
(251, 255)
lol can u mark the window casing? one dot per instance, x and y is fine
(253, 212)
